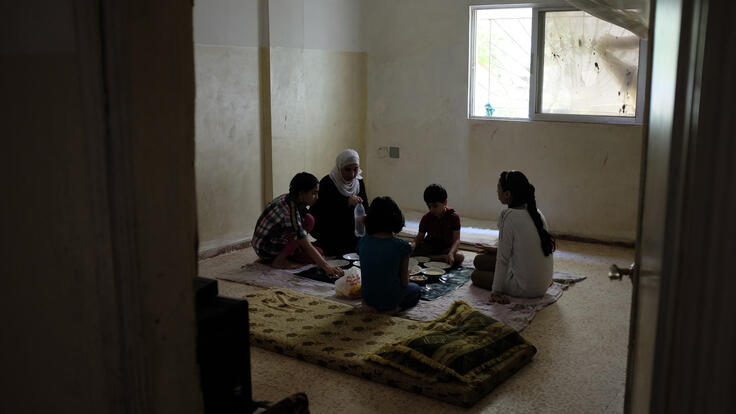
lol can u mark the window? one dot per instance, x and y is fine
(553, 64)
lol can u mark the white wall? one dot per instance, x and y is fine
(228, 142)
(364, 74)
(586, 175)
(318, 102)
(318, 80)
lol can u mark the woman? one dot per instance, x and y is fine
(280, 238)
(339, 192)
(523, 261)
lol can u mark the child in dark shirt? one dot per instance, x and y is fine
(439, 230)
(384, 260)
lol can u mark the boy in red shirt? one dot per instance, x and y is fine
(439, 230)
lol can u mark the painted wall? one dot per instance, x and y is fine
(99, 229)
(227, 120)
(586, 175)
(318, 85)
(318, 103)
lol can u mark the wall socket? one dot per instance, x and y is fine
(390, 152)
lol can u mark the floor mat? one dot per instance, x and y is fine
(518, 314)
(339, 337)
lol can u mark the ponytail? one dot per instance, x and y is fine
(523, 192)
(548, 242)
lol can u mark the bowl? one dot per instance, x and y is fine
(433, 274)
(418, 279)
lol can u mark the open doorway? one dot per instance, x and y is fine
(404, 85)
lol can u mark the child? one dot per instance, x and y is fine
(280, 238)
(384, 260)
(522, 264)
(442, 228)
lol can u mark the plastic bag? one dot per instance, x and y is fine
(349, 284)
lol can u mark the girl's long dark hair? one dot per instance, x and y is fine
(523, 192)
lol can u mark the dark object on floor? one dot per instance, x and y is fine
(318, 274)
(293, 404)
(223, 350)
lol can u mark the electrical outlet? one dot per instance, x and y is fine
(393, 152)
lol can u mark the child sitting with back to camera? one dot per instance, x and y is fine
(439, 230)
(523, 263)
(384, 260)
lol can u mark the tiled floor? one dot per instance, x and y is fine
(580, 366)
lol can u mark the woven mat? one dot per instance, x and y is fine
(339, 337)
(518, 314)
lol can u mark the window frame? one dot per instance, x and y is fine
(536, 76)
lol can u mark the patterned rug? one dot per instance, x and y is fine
(340, 337)
(518, 314)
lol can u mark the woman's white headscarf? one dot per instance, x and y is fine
(346, 188)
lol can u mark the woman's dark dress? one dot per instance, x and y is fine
(334, 222)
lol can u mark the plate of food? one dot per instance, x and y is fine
(433, 271)
(337, 262)
(438, 265)
(418, 279)
(433, 274)
(415, 270)
(421, 259)
(413, 262)
(351, 256)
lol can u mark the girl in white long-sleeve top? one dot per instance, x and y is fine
(522, 264)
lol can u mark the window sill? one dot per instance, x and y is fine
(570, 119)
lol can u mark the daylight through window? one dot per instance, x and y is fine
(571, 67)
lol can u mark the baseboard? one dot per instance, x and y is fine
(228, 248)
(568, 237)
(619, 243)
(246, 243)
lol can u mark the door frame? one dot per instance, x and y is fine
(691, 368)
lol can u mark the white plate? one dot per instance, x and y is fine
(438, 265)
(337, 262)
(421, 259)
(356, 263)
(415, 270)
(413, 262)
(351, 256)
(433, 271)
